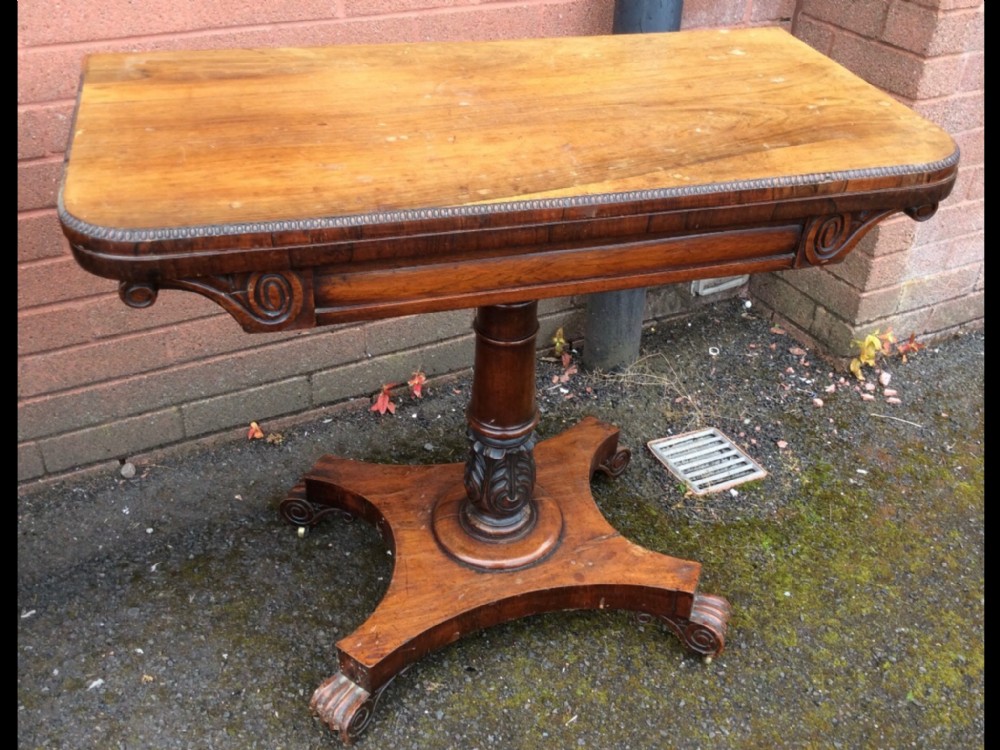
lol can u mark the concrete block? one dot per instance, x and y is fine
(712, 13)
(929, 32)
(43, 130)
(953, 220)
(668, 300)
(58, 280)
(111, 400)
(481, 24)
(961, 311)
(865, 272)
(354, 8)
(834, 334)
(938, 78)
(973, 145)
(80, 20)
(109, 316)
(876, 304)
(902, 324)
(817, 34)
(931, 290)
(78, 366)
(975, 187)
(776, 293)
(39, 236)
(245, 406)
(574, 18)
(866, 19)
(51, 328)
(38, 183)
(115, 440)
(893, 235)
(397, 334)
(890, 69)
(924, 261)
(954, 114)
(963, 251)
(29, 462)
(368, 376)
(772, 12)
(571, 321)
(973, 74)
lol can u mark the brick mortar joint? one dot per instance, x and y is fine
(837, 29)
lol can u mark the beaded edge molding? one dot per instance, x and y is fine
(117, 234)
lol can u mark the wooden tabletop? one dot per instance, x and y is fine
(179, 139)
(473, 150)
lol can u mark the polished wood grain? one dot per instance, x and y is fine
(180, 139)
(434, 598)
(303, 187)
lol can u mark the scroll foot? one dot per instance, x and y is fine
(704, 631)
(345, 706)
(298, 511)
(615, 465)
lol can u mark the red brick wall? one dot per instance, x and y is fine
(98, 381)
(924, 278)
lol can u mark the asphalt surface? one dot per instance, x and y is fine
(175, 609)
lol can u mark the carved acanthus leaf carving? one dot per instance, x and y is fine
(499, 479)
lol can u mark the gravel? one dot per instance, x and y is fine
(168, 606)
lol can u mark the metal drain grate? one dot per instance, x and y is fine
(706, 460)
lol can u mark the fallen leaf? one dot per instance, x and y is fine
(146, 679)
(383, 402)
(893, 400)
(856, 369)
(778, 330)
(566, 359)
(832, 388)
(817, 402)
(867, 397)
(797, 351)
(559, 342)
(781, 444)
(884, 378)
(569, 372)
(890, 392)
(416, 384)
(275, 438)
(255, 433)
(910, 346)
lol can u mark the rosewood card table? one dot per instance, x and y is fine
(303, 187)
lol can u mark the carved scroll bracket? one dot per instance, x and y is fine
(259, 301)
(828, 239)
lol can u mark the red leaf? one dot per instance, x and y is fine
(383, 402)
(910, 346)
(416, 384)
(255, 433)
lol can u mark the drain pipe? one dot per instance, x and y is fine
(613, 326)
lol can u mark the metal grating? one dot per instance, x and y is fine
(706, 460)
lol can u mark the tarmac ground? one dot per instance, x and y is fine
(175, 609)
